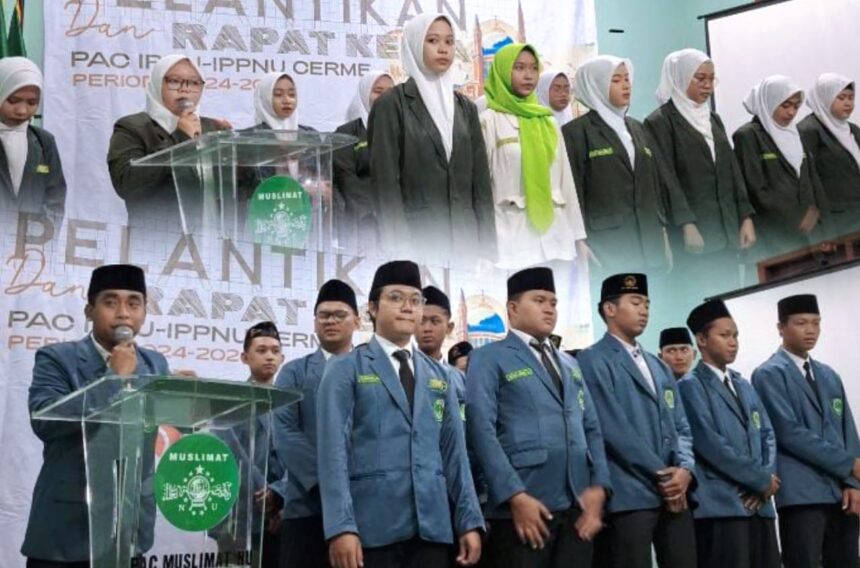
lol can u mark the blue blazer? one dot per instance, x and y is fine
(524, 436)
(816, 442)
(385, 471)
(644, 432)
(295, 436)
(734, 445)
(58, 528)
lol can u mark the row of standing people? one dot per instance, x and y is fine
(582, 462)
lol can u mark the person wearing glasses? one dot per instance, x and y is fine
(392, 463)
(553, 92)
(172, 97)
(711, 215)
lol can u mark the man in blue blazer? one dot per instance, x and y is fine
(533, 431)
(391, 450)
(58, 529)
(335, 321)
(816, 442)
(648, 441)
(735, 451)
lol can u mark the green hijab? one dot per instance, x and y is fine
(538, 137)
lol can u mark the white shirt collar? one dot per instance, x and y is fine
(630, 348)
(799, 361)
(527, 339)
(720, 374)
(326, 354)
(390, 347)
(105, 354)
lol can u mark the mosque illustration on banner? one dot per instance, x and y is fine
(480, 319)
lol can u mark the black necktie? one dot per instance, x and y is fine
(728, 383)
(407, 378)
(808, 376)
(545, 358)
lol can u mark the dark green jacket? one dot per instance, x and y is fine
(621, 205)
(356, 214)
(43, 187)
(838, 172)
(710, 193)
(780, 197)
(425, 204)
(148, 191)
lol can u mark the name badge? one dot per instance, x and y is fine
(368, 379)
(767, 156)
(360, 145)
(43, 169)
(519, 374)
(438, 385)
(601, 152)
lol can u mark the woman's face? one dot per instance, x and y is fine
(701, 86)
(284, 98)
(439, 47)
(382, 85)
(785, 112)
(559, 93)
(181, 83)
(619, 87)
(20, 106)
(525, 74)
(843, 104)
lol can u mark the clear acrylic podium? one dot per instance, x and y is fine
(170, 465)
(264, 186)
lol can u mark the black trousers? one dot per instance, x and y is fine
(413, 553)
(629, 536)
(818, 535)
(33, 563)
(564, 549)
(739, 542)
(303, 543)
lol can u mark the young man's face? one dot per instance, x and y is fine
(720, 342)
(263, 358)
(435, 325)
(397, 312)
(800, 332)
(679, 358)
(334, 324)
(112, 309)
(535, 312)
(630, 315)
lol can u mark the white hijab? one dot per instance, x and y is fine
(820, 98)
(264, 110)
(360, 105)
(678, 70)
(154, 103)
(563, 116)
(16, 73)
(762, 101)
(437, 90)
(591, 87)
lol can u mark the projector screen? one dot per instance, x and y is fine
(755, 314)
(798, 38)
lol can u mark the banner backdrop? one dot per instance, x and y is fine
(203, 295)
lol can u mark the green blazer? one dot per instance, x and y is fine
(148, 192)
(712, 193)
(838, 172)
(421, 197)
(780, 197)
(622, 205)
(43, 187)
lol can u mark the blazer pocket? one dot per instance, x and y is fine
(529, 458)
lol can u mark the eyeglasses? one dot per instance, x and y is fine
(192, 85)
(337, 316)
(398, 299)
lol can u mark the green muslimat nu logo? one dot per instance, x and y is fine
(280, 213)
(196, 482)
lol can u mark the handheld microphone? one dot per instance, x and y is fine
(123, 334)
(185, 104)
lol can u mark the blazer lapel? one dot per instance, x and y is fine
(799, 379)
(5, 177)
(627, 362)
(722, 390)
(701, 144)
(316, 367)
(384, 369)
(526, 355)
(614, 141)
(34, 156)
(416, 105)
(91, 366)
